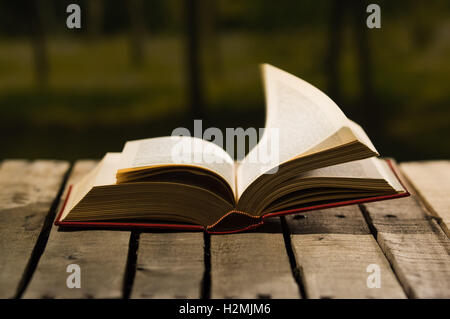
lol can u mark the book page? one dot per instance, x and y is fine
(366, 168)
(299, 116)
(361, 135)
(178, 150)
(389, 175)
(104, 173)
(373, 168)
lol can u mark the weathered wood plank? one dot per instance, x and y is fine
(101, 255)
(333, 249)
(169, 265)
(252, 265)
(415, 245)
(431, 180)
(28, 190)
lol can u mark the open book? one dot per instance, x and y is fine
(310, 156)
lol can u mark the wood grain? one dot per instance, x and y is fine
(333, 249)
(169, 265)
(101, 255)
(431, 180)
(415, 245)
(252, 265)
(28, 190)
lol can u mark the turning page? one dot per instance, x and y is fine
(299, 117)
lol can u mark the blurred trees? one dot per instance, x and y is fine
(194, 78)
(137, 31)
(36, 10)
(95, 13)
(353, 14)
(135, 60)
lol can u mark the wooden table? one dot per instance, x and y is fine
(320, 254)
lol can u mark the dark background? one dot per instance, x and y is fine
(139, 69)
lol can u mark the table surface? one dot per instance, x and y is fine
(401, 244)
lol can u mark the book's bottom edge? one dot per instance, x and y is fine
(124, 225)
(179, 227)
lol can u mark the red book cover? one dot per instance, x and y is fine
(232, 218)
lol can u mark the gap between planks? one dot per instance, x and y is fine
(415, 244)
(333, 249)
(42, 240)
(199, 265)
(405, 268)
(430, 180)
(101, 254)
(252, 265)
(30, 191)
(118, 264)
